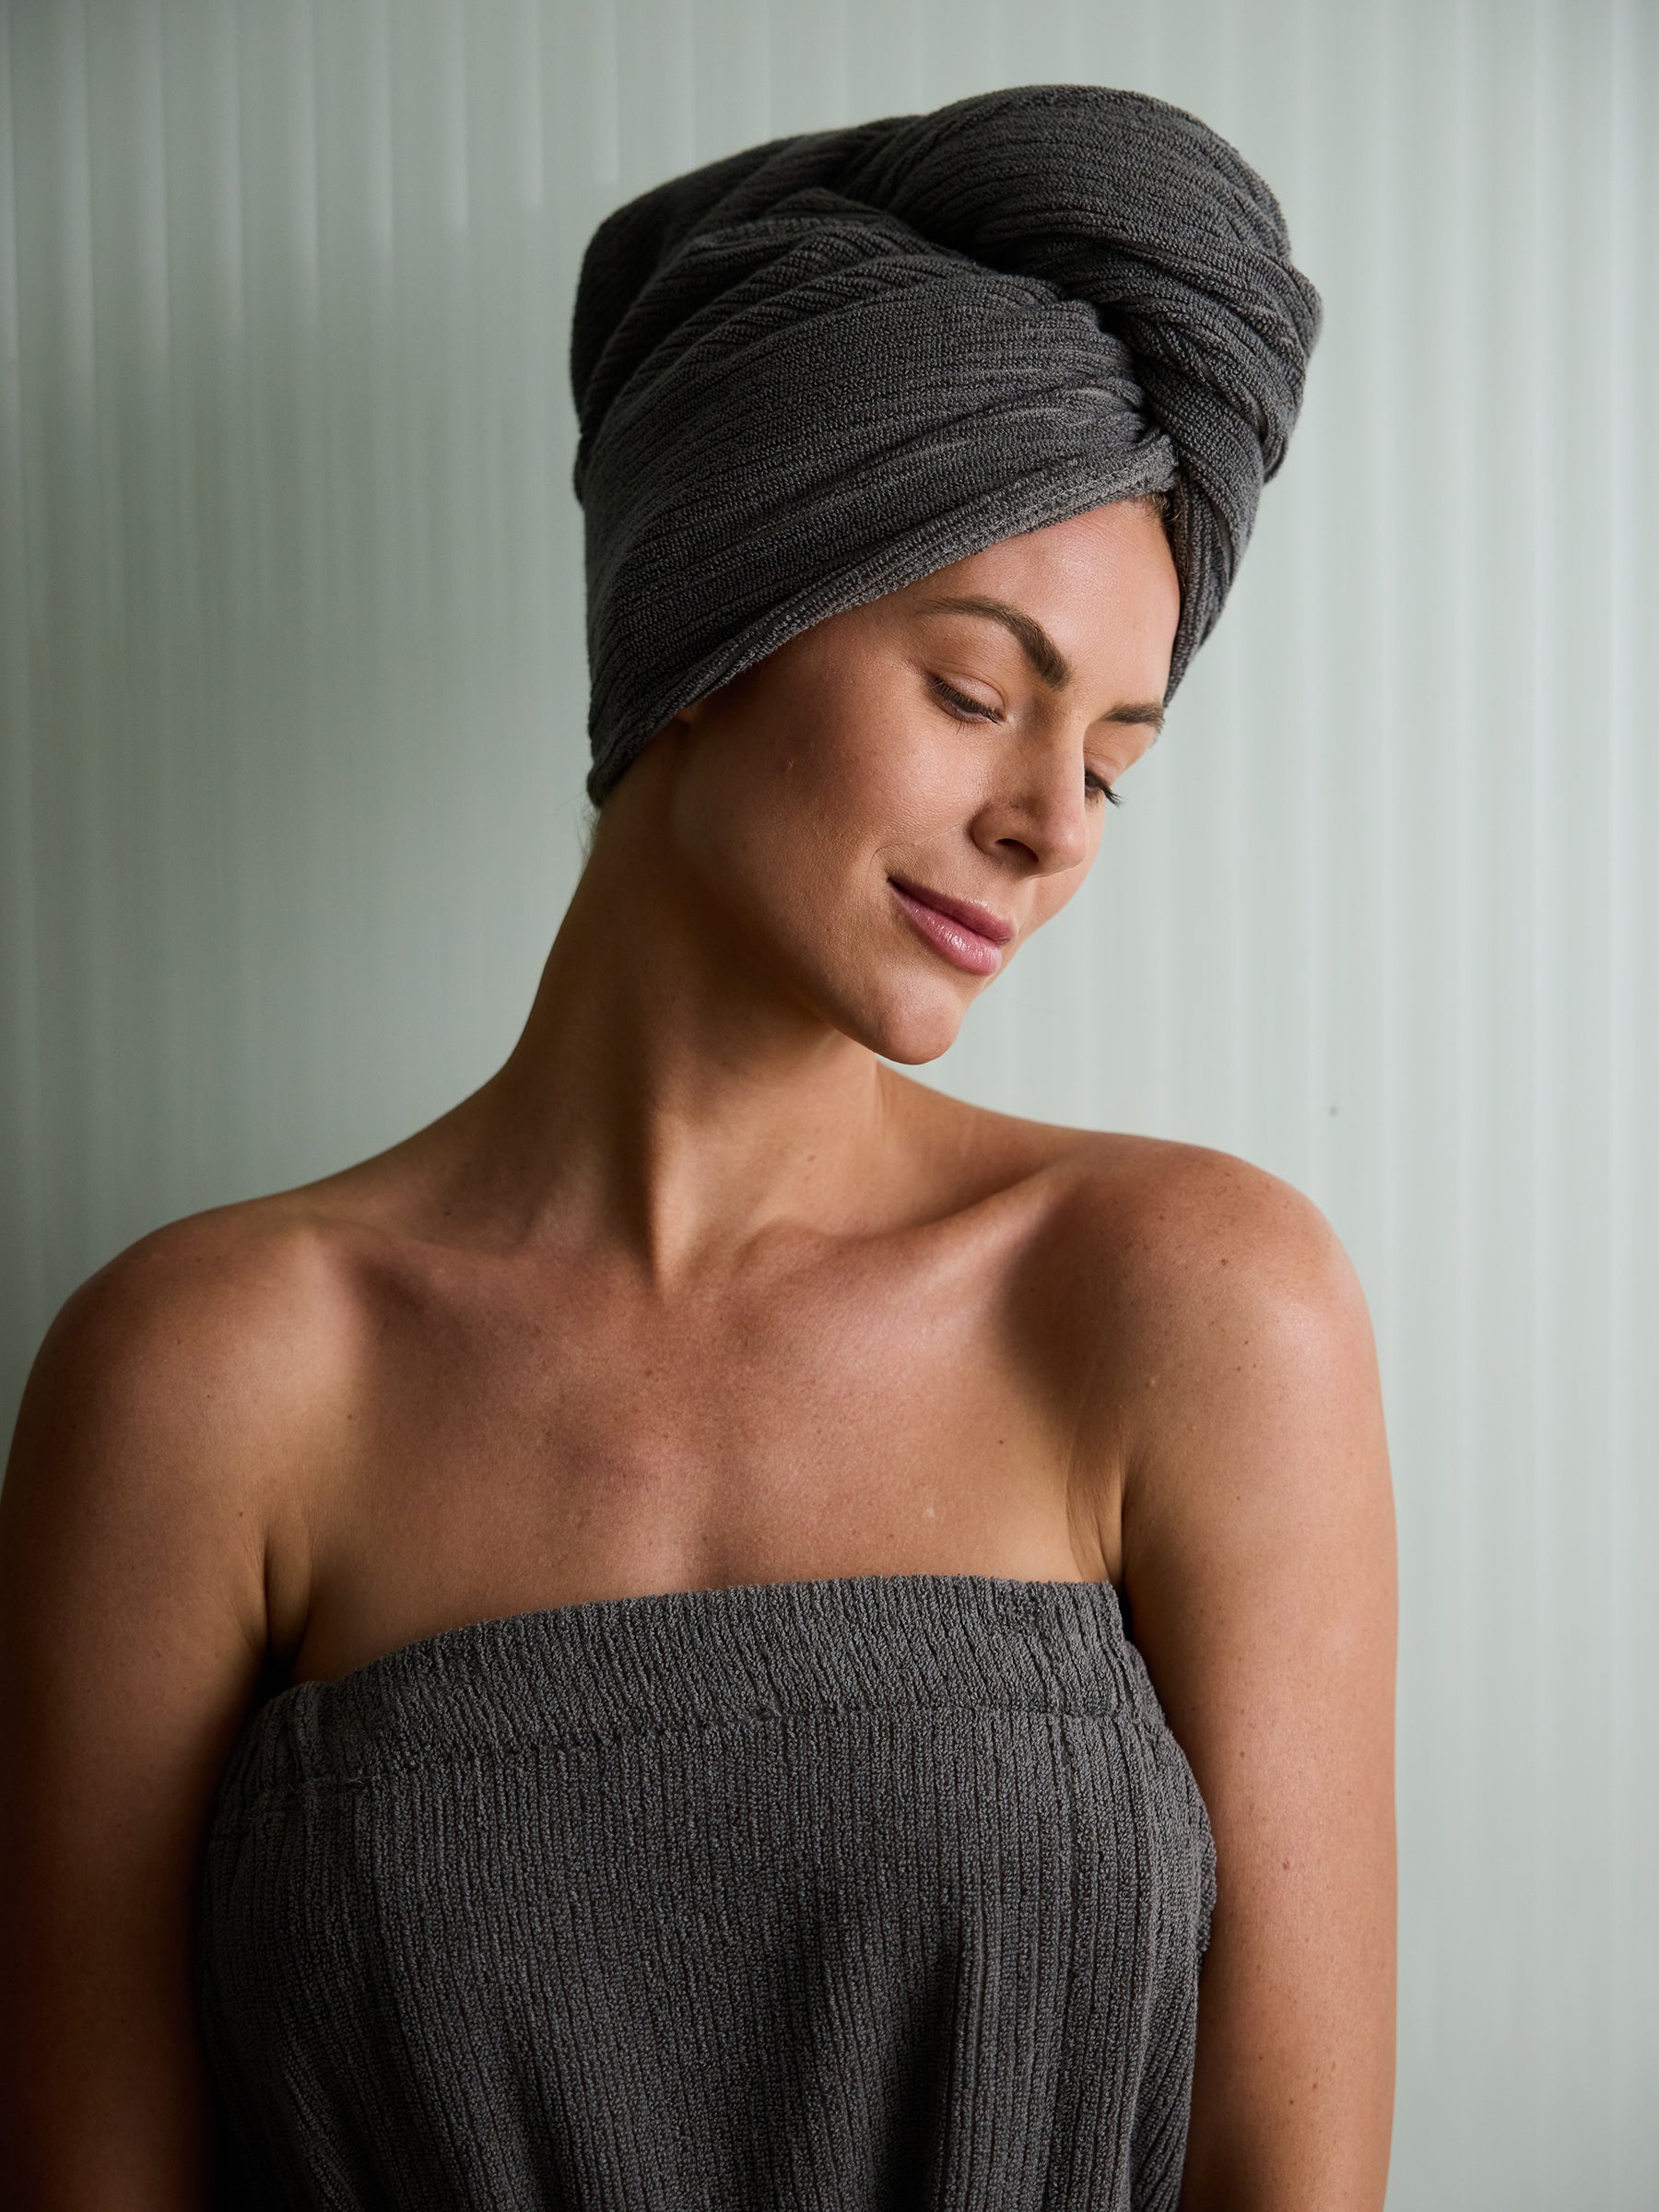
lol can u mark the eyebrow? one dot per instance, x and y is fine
(1047, 661)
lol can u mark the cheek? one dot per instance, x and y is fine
(822, 782)
(851, 736)
(898, 769)
(772, 817)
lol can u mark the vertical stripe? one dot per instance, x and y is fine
(293, 684)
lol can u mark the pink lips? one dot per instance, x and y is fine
(969, 934)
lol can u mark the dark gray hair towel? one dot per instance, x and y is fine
(816, 370)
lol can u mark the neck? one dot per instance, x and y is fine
(670, 1089)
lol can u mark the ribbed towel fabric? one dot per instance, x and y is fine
(879, 1891)
(816, 369)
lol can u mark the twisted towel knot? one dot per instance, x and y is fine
(819, 369)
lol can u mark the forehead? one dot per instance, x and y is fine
(1100, 591)
(1106, 552)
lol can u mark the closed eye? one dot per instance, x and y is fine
(975, 710)
(960, 704)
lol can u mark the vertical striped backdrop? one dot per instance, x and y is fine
(291, 686)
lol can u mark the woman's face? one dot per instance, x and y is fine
(912, 750)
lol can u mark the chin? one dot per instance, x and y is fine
(913, 1055)
(919, 1028)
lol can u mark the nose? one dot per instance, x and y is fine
(1038, 815)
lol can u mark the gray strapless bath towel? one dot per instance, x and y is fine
(880, 1892)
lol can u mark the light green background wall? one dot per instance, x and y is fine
(292, 685)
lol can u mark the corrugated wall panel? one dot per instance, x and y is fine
(292, 676)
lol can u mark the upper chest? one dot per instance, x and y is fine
(534, 1433)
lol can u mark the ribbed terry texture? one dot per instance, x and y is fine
(814, 370)
(886, 1891)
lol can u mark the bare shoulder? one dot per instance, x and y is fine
(1237, 1372)
(1235, 1389)
(1230, 1444)
(1154, 1267)
(1203, 1252)
(146, 1503)
(211, 1272)
(1152, 1239)
(179, 1383)
(147, 1510)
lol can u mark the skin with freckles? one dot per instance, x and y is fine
(699, 1288)
(904, 739)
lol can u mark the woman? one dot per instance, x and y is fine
(583, 1659)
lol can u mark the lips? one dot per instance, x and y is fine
(968, 935)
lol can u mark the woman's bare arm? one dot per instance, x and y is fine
(134, 1525)
(1259, 1563)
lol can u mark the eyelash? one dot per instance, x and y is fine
(970, 709)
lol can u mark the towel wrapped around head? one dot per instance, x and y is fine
(816, 370)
